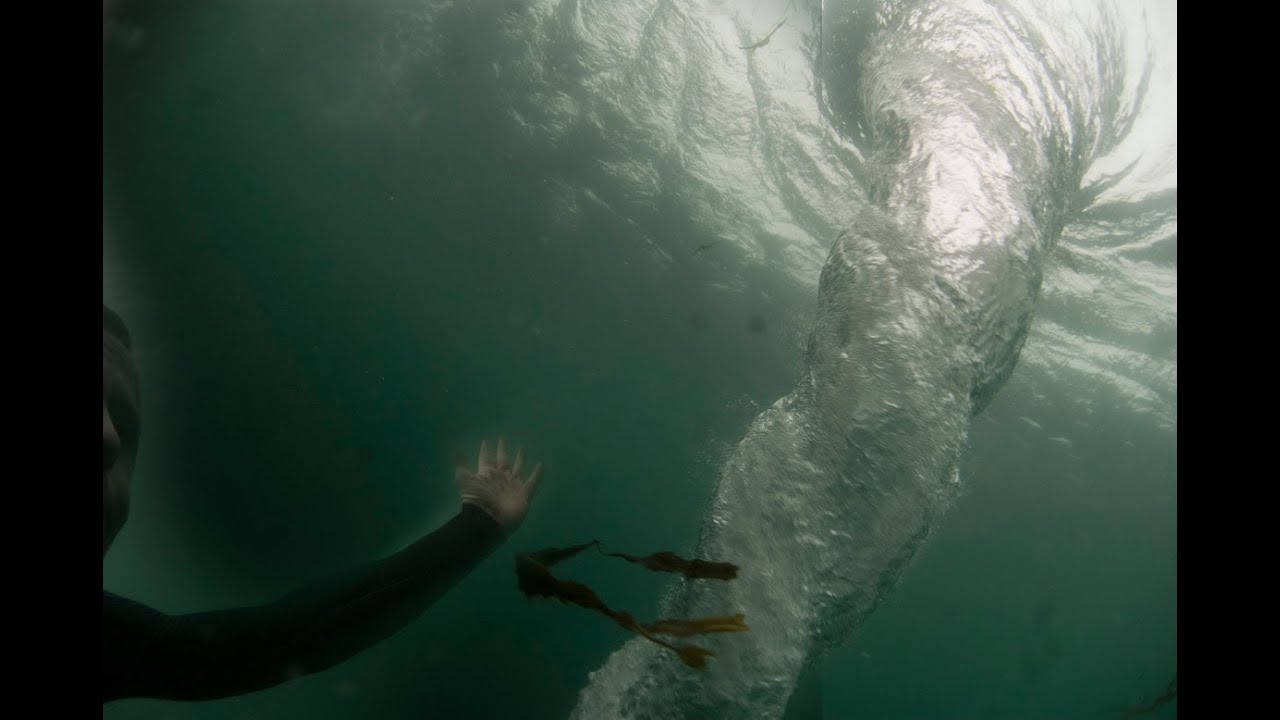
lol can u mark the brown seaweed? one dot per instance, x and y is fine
(534, 578)
(700, 626)
(550, 556)
(673, 563)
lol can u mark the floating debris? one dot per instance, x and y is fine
(533, 573)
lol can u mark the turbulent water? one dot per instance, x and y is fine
(929, 165)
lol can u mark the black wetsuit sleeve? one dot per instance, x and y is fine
(147, 653)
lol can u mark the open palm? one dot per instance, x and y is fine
(496, 485)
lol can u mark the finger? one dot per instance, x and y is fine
(502, 453)
(482, 464)
(519, 466)
(535, 479)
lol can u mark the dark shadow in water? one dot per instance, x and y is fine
(1169, 695)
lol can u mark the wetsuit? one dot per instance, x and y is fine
(208, 655)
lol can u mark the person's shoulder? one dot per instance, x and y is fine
(112, 603)
(116, 606)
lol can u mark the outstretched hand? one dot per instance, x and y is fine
(497, 487)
